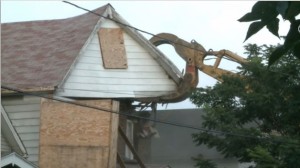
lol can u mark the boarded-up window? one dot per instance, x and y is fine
(112, 48)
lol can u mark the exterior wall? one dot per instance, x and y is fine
(5, 148)
(74, 136)
(24, 113)
(143, 77)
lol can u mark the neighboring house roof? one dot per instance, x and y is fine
(16, 160)
(38, 55)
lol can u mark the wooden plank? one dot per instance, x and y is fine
(112, 48)
(128, 143)
(113, 135)
(120, 161)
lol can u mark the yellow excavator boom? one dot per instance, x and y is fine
(194, 54)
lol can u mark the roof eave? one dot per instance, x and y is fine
(11, 91)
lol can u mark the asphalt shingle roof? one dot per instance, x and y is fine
(36, 55)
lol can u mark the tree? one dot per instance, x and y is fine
(265, 13)
(255, 116)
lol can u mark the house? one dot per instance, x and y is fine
(176, 148)
(74, 77)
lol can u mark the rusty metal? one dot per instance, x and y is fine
(194, 54)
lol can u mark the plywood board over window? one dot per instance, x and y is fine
(112, 48)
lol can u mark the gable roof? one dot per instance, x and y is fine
(37, 55)
(15, 159)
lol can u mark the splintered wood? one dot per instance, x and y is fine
(74, 136)
(112, 48)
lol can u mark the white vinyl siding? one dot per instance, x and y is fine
(144, 77)
(5, 147)
(24, 113)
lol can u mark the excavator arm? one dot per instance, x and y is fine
(193, 54)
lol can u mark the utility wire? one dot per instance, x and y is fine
(139, 117)
(137, 29)
(130, 115)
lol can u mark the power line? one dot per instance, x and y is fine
(107, 110)
(137, 29)
(139, 117)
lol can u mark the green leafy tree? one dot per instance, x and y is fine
(265, 13)
(255, 116)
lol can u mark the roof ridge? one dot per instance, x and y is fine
(104, 7)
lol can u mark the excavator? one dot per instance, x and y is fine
(194, 55)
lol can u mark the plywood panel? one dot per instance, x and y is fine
(74, 157)
(112, 48)
(73, 136)
(66, 124)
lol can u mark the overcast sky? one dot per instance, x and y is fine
(211, 23)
